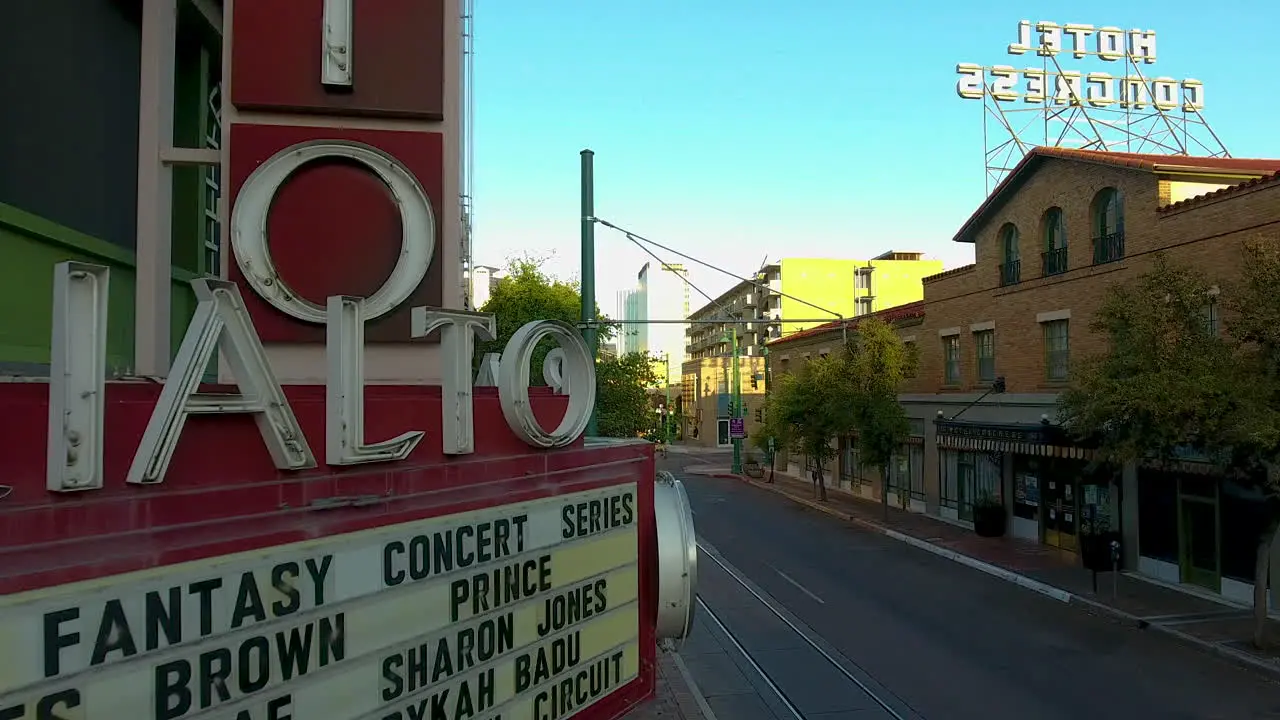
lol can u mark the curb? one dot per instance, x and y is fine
(701, 705)
(1241, 659)
(719, 474)
(1007, 575)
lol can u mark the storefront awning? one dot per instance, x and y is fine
(1040, 440)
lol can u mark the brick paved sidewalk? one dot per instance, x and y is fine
(673, 699)
(1212, 624)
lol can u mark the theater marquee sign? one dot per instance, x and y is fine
(522, 611)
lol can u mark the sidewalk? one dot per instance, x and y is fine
(1209, 623)
(673, 698)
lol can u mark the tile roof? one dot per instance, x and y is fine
(889, 315)
(1140, 161)
(1217, 194)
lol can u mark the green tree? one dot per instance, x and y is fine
(527, 294)
(1168, 381)
(622, 398)
(809, 409)
(853, 392)
(1253, 436)
(877, 363)
(1164, 381)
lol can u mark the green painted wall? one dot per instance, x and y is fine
(30, 247)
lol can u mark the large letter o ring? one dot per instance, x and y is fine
(253, 206)
(513, 383)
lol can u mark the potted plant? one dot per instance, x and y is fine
(989, 517)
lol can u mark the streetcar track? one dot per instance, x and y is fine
(705, 551)
(782, 695)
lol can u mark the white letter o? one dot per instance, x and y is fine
(513, 383)
(253, 207)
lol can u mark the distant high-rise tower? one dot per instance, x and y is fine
(660, 293)
(484, 278)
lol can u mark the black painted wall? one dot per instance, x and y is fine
(69, 75)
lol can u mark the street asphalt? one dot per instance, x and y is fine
(933, 639)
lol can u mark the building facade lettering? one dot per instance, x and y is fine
(1051, 83)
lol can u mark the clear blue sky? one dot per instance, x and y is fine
(736, 130)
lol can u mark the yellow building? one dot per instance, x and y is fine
(798, 293)
(849, 287)
(706, 393)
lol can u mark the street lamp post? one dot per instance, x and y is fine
(735, 407)
(666, 417)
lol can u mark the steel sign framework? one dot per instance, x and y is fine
(1133, 110)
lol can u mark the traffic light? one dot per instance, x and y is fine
(755, 381)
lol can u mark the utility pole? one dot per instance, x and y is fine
(736, 410)
(666, 418)
(588, 271)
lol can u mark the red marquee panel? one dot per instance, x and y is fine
(397, 51)
(333, 228)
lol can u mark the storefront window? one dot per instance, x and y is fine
(906, 472)
(966, 477)
(1027, 475)
(1158, 515)
(851, 470)
(1244, 513)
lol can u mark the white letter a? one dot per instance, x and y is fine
(220, 320)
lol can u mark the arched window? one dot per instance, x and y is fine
(1055, 241)
(1011, 265)
(1108, 226)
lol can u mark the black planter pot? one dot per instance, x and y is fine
(989, 521)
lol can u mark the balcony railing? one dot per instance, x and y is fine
(1055, 261)
(1011, 272)
(1108, 248)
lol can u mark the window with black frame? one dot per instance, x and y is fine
(1057, 350)
(1011, 255)
(851, 467)
(1108, 226)
(906, 472)
(966, 478)
(951, 360)
(1054, 259)
(984, 343)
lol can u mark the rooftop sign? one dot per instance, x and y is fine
(1129, 88)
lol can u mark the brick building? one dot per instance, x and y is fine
(1062, 227)
(845, 471)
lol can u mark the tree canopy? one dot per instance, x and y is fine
(1166, 380)
(1171, 379)
(853, 392)
(622, 399)
(527, 294)
(878, 363)
(808, 409)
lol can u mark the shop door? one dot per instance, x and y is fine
(1198, 542)
(1059, 509)
(722, 432)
